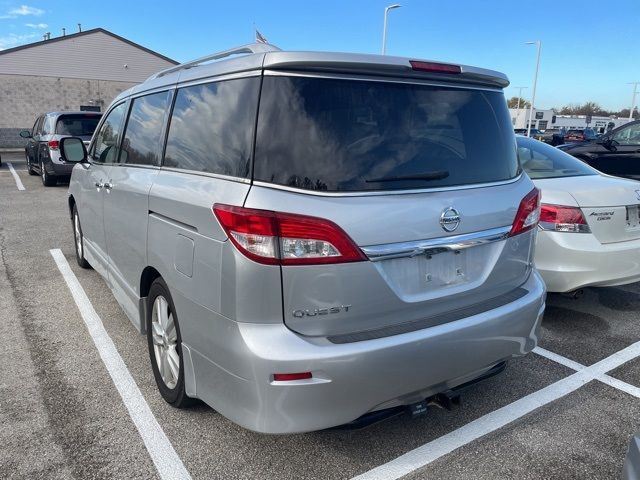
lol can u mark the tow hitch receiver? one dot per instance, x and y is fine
(446, 400)
(418, 409)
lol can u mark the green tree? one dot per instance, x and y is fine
(513, 103)
(587, 108)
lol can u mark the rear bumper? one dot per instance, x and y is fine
(568, 261)
(350, 380)
(58, 168)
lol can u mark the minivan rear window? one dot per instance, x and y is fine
(345, 135)
(82, 125)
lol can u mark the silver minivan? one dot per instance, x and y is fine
(310, 239)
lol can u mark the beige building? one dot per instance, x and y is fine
(81, 71)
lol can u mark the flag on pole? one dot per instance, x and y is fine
(260, 38)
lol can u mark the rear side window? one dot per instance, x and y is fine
(540, 160)
(77, 125)
(141, 142)
(345, 135)
(212, 127)
(48, 127)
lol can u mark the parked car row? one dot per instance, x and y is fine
(615, 153)
(533, 133)
(291, 230)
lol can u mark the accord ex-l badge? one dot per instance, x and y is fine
(602, 215)
(449, 219)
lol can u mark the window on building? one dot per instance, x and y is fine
(142, 137)
(212, 126)
(106, 144)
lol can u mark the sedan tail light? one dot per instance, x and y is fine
(277, 238)
(53, 144)
(561, 218)
(528, 213)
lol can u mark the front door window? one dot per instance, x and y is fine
(105, 148)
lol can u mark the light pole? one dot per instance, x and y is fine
(518, 107)
(633, 99)
(535, 82)
(384, 28)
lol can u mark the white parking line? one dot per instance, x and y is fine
(603, 377)
(164, 457)
(429, 452)
(15, 176)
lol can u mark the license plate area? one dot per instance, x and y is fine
(633, 217)
(444, 269)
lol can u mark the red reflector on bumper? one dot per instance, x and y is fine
(287, 377)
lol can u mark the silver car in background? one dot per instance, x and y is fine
(310, 238)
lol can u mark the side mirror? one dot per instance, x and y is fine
(25, 134)
(72, 149)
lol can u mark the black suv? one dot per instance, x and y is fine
(616, 152)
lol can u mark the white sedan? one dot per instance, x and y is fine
(589, 231)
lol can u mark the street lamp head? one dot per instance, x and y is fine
(536, 42)
(391, 7)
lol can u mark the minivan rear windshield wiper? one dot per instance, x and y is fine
(426, 176)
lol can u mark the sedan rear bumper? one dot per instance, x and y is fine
(569, 261)
(352, 379)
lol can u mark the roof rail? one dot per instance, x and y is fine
(250, 48)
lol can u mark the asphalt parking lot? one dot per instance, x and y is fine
(566, 411)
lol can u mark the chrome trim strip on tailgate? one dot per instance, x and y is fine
(434, 246)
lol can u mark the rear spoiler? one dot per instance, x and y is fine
(380, 65)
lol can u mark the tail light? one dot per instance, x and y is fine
(276, 238)
(434, 67)
(560, 218)
(528, 213)
(53, 144)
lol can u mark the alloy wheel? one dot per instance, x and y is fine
(165, 342)
(77, 234)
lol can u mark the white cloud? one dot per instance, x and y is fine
(13, 40)
(26, 10)
(36, 25)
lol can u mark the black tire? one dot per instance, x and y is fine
(175, 396)
(29, 167)
(47, 180)
(78, 242)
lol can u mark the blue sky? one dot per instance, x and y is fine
(589, 48)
